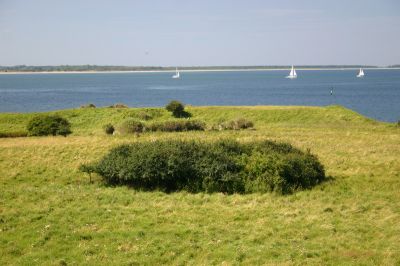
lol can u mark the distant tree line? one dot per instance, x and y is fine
(68, 68)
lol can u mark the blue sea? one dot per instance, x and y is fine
(377, 95)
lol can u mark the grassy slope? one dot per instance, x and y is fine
(49, 212)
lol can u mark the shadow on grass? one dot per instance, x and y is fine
(140, 188)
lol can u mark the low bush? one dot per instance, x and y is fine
(90, 105)
(118, 105)
(109, 129)
(224, 166)
(237, 124)
(13, 134)
(131, 126)
(44, 125)
(242, 123)
(176, 126)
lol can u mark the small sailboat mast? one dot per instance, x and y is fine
(177, 75)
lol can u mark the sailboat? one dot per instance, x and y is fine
(177, 75)
(361, 73)
(292, 74)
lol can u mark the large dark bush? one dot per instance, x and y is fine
(177, 108)
(224, 166)
(167, 166)
(44, 125)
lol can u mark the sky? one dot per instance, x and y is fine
(199, 33)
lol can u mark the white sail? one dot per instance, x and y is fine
(360, 73)
(177, 75)
(292, 73)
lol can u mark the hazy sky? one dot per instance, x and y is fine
(206, 32)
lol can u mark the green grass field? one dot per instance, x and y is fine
(51, 215)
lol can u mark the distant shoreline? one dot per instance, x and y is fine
(189, 70)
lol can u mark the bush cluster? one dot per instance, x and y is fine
(237, 124)
(118, 105)
(224, 166)
(90, 105)
(44, 125)
(176, 126)
(131, 126)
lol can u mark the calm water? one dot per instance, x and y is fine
(377, 95)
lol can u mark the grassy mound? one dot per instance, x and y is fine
(51, 214)
(91, 120)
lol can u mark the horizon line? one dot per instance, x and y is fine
(198, 66)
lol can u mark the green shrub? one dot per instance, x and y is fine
(242, 123)
(224, 166)
(109, 129)
(166, 166)
(300, 171)
(176, 126)
(194, 125)
(131, 126)
(237, 124)
(219, 167)
(177, 108)
(44, 125)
